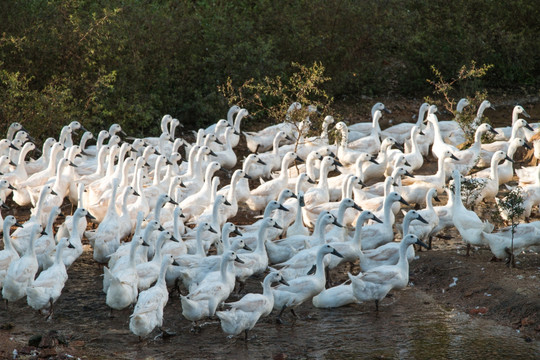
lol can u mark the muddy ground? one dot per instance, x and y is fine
(440, 278)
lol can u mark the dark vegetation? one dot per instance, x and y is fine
(132, 62)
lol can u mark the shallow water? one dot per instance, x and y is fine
(409, 326)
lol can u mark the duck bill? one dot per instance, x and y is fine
(70, 245)
(247, 248)
(335, 222)
(335, 252)
(90, 216)
(402, 200)
(529, 127)
(357, 207)
(18, 225)
(421, 219)
(284, 282)
(310, 180)
(237, 259)
(136, 193)
(493, 131)
(212, 153)
(281, 207)
(299, 159)
(237, 232)
(453, 157)
(174, 263)
(276, 225)
(13, 147)
(246, 176)
(226, 202)
(261, 162)
(302, 202)
(211, 229)
(376, 219)
(421, 243)
(173, 202)
(144, 243)
(337, 163)
(508, 158)
(313, 270)
(11, 187)
(373, 160)
(408, 174)
(174, 239)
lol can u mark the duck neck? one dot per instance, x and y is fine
(50, 223)
(320, 230)
(356, 240)
(111, 209)
(7, 237)
(310, 166)
(59, 252)
(436, 130)
(162, 272)
(132, 253)
(125, 211)
(157, 254)
(515, 132)
(406, 224)
(231, 194)
(323, 177)
(341, 211)
(421, 115)
(238, 121)
(284, 168)
(275, 143)
(261, 238)
(320, 273)
(198, 238)
(100, 161)
(387, 209)
(75, 231)
(157, 169)
(267, 286)
(494, 170)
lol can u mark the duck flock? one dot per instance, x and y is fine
(159, 222)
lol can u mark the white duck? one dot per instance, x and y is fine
(47, 288)
(148, 272)
(244, 314)
(379, 234)
(212, 291)
(466, 222)
(148, 312)
(506, 169)
(468, 158)
(489, 187)
(122, 290)
(21, 272)
(8, 254)
(424, 231)
(303, 288)
(506, 132)
(269, 191)
(272, 160)
(489, 149)
(374, 284)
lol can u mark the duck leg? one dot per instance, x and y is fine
(294, 314)
(246, 335)
(377, 305)
(51, 310)
(278, 318)
(468, 250)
